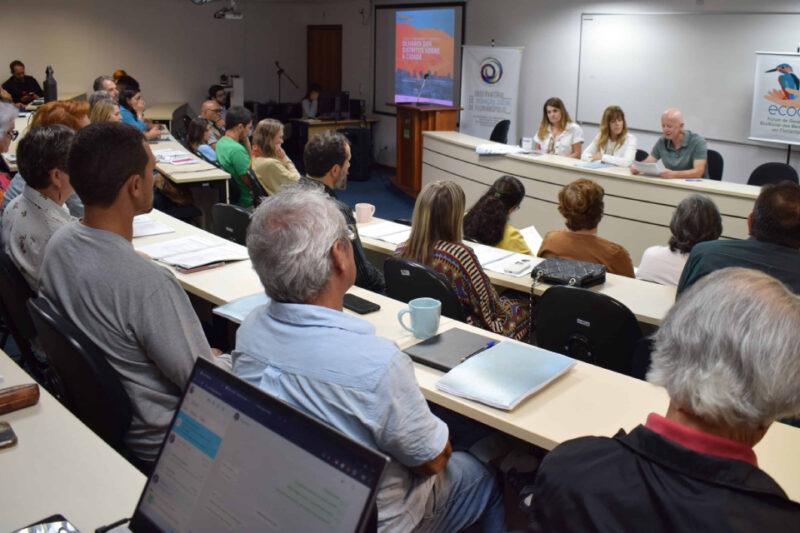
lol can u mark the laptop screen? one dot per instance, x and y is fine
(236, 458)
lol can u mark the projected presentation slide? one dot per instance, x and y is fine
(424, 56)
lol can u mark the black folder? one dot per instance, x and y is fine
(446, 350)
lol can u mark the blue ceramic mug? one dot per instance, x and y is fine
(425, 313)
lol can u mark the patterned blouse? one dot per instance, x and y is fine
(483, 306)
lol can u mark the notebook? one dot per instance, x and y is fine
(448, 349)
(505, 374)
(237, 459)
(237, 310)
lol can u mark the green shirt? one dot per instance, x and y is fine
(693, 148)
(235, 161)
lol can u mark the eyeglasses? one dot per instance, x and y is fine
(13, 134)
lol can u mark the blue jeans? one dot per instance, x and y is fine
(464, 493)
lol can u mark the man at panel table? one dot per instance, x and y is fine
(727, 353)
(682, 152)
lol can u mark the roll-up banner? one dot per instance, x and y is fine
(776, 98)
(489, 89)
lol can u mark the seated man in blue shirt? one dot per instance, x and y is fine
(303, 349)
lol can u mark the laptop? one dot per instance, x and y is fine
(238, 459)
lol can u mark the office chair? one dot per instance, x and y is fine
(14, 296)
(407, 279)
(500, 132)
(91, 388)
(230, 222)
(588, 326)
(641, 155)
(715, 165)
(772, 173)
(256, 189)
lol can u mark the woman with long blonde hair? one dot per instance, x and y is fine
(557, 133)
(613, 144)
(436, 242)
(272, 166)
(104, 111)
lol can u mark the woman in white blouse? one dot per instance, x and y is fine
(557, 133)
(695, 220)
(613, 144)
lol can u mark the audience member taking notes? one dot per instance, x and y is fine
(327, 161)
(557, 133)
(773, 246)
(487, 221)
(695, 220)
(436, 242)
(682, 152)
(581, 205)
(727, 356)
(34, 216)
(132, 309)
(272, 166)
(297, 346)
(614, 144)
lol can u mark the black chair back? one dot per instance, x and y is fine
(588, 326)
(772, 173)
(641, 155)
(91, 387)
(14, 296)
(230, 222)
(256, 189)
(500, 132)
(715, 165)
(407, 279)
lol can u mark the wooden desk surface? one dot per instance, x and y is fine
(162, 112)
(649, 302)
(179, 174)
(60, 466)
(588, 400)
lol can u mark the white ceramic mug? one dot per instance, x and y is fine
(527, 143)
(364, 212)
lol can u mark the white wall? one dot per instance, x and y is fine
(550, 33)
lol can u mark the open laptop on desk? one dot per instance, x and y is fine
(237, 459)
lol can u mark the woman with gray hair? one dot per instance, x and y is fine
(696, 219)
(727, 353)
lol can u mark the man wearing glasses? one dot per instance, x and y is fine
(211, 111)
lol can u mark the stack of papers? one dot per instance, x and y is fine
(237, 310)
(173, 156)
(192, 252)
(499, 149)
(505, 374)
(651, 169)
(592, 164)
(145, 226)
(386, 231)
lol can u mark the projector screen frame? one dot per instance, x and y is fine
(462, 5)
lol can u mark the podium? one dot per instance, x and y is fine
(412, 120)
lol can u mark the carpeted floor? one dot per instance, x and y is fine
(390, 203)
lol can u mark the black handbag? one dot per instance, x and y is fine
(560, 271)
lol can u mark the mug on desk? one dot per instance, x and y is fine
(527, 143)
(425, 313)
(364, 212)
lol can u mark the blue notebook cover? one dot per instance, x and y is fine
(505, 374)
(237, 310)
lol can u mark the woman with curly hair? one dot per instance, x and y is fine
(436, 242)
(487, 221)
(581, 204)
(696, 219)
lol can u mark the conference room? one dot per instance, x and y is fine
(217, 214)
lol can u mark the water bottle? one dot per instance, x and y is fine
(50, 85)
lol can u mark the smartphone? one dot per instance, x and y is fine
(7, 436)
(359, 305)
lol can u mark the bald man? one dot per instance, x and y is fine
(211, 111)
(682, 152)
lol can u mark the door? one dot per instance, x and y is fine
(325, 57)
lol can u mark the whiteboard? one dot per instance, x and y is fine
(701, 63)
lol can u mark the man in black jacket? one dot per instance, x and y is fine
(22, 89)
(727, 353)
(327, 160)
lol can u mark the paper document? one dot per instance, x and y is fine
(488, 254)
(533, 238)
(145, 226)
(237, 310)
(651, 169)
(499, 149)
(398, 238)
(193, 252)
(592, 164)
(505, 374)
(381, 229)
(173, 156)
(516, 265)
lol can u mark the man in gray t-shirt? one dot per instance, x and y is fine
(134, 310)
(683, 152)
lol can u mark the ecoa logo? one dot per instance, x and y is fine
(491, 70)
(784, 111)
